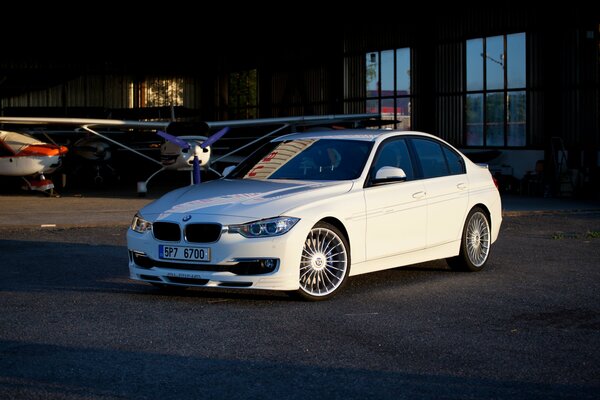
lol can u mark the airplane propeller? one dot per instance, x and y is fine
(196, 148)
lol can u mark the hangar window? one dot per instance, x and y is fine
(156, 92)
(496, 95)
(243, 95)
(388, 85)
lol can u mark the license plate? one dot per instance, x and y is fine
(182, 253)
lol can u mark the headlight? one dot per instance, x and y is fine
(265, 228)
(140, 225)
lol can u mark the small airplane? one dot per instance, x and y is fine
(93, 154)
(24, 156)
(186, 152)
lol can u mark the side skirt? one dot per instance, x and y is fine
(445, 250)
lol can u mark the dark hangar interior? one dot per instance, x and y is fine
(511, 85)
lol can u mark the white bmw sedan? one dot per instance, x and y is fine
(308, 210)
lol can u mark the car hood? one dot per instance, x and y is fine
(255, 199)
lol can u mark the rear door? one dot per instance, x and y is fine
(446, 184)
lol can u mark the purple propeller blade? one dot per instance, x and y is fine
(214, 138)
(196, 171)
(173, 139)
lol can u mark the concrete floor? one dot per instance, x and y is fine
(117, 208)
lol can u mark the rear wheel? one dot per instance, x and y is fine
(475, 243)
(325, 262)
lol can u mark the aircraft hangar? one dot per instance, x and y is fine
(513, 87)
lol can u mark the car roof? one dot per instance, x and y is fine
(367, 135)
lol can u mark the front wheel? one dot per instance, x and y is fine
(475, 243)
(325, 262)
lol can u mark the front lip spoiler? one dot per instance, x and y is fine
(239, 266)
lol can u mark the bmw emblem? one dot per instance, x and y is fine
(187, 218)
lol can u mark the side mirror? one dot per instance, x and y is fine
(227, 170)
(389, 174)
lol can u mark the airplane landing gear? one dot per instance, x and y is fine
(40, 184)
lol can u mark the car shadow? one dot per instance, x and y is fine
(83, 267)
(52, 266)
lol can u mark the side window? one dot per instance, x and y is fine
(394, 154)
(455, 162)
(431, 158)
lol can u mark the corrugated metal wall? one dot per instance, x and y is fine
(354, 83)
(562, 75)
(579, 81)
(536, 98)
(300, 92)
(563, 78)
(107, 91)
(449, 73)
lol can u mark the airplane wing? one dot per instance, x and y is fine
(176, 127)
(299, 121)
(186, 128)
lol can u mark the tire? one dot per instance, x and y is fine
(475, 243)
(325, 263)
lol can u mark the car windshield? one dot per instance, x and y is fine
(306, 159)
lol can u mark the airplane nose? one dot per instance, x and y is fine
(47, 150)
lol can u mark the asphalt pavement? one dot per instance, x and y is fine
(118, 207)
(73, 326)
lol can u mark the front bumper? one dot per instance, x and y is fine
(236, 261)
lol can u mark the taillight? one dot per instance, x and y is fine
(496, 183)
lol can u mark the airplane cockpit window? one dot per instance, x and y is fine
(16, 141)
(4, 151)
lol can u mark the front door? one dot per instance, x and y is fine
(396, 211)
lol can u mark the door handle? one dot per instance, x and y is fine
(461, 186)
(419, 195)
